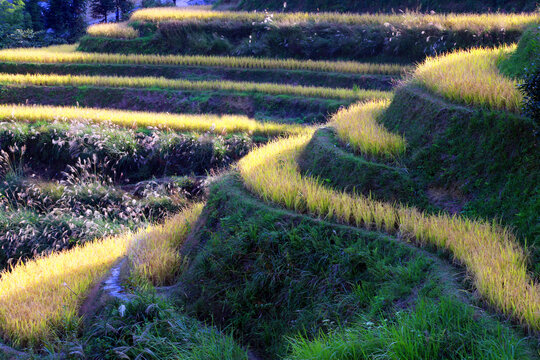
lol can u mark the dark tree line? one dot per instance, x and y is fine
(62, 19)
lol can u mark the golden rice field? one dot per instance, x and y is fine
(177, 84)
(490, 253)
(357, 126)
(154, 256)
(67, 54)
(474, 22)
(471, 77)
(113, 30)
(43, 295)
(186, 123)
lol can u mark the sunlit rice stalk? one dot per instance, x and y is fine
(68, 55)
(474, 22)
(357, 126)
(185, 123)
(471, 77)
(113, 30)
(42, 296)
(154, 255)
(163, 83)
(490, 253)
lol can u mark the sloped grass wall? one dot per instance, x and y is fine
(316, 41)
(489, 157)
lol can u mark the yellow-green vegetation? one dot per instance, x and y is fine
(472, 77)
(357, 126)
(410, 19)
(163, 83)
(490, 253)
(67, 54)
(43, 295)
(154, 256)
(113, 30)
(184, 123)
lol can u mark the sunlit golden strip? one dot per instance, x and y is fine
(177, 122)
(154, 257)
(113, 30)
(357, 126)
(67, 54)
(471, 77)
(474, 22)
(177, 84)
(43, 295)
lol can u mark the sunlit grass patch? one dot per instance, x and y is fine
(154, 256)
(357, 126)
(41, 297)
(176, 84)
(182, 123)
(475, 22)
(471, 77)
(113, 30)
(67, 54)
(489, 252)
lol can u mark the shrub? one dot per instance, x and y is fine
(531, 95)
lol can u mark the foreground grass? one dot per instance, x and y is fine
(154, 256)
(176, 84)
(357, 126)
(67, 54)
(433, 330)
(182, 123)
(113, 30)
(476, 22)
(41, 297)
(490, 253)
(472, 77)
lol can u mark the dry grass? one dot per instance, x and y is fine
(472, 22)
(358, 127)
(67, 54)
(42, 296)
(182, 123)
(154, 256)
(163, 83)
(113, 30)
(489, 252)
(471, 77)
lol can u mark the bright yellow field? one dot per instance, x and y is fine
(113, 30)
(490, 253)
(473, 22)
(357, 126)
(154, 256)
(184, 123)
(67, 54)
(471, 77)
(43, 295)
(163, 83)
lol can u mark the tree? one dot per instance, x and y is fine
(122, 7)
(66, 17)
(12, 13)
(101, 8)
(35, 12)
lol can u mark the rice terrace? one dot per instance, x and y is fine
(259, 179)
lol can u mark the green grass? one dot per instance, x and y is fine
(272, 275)
(446, 329)
(153, 329)
(526, 56)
